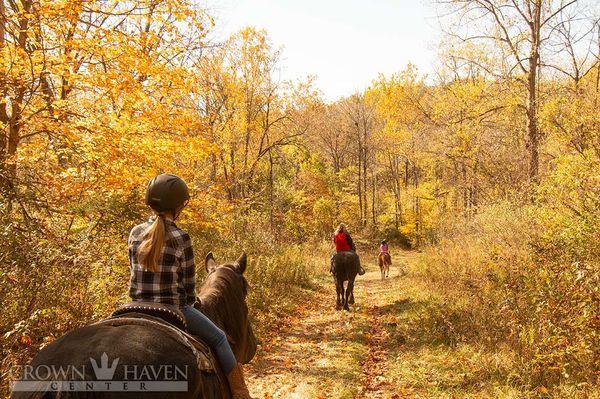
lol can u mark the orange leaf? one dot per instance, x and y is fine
(25, 340)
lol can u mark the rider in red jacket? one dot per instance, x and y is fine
(343, 242)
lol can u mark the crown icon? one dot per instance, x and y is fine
(104, 372)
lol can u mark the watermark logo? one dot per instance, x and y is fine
(106, 375)
(104, 372)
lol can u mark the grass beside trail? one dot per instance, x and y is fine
(387, 346)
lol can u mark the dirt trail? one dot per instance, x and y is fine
(321, 352)
(375, 384)
(387, 347)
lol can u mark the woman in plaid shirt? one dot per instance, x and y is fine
(163, 270)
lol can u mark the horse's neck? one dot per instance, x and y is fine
(209, 305)
(213, 306)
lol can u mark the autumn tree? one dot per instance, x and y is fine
(519, 35)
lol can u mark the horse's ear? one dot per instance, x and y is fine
(209, 262)
(241, 263)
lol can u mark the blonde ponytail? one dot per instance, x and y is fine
(150, 248)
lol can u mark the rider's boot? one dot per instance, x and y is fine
(238, 387)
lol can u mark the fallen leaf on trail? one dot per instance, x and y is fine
(25, 340)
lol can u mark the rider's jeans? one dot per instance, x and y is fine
(203, 327)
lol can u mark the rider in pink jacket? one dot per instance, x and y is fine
(384, 247)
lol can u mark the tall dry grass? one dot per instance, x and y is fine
(494, 283)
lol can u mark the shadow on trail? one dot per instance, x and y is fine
(400, 306)
(315, 354)
(272, 366)
(328, 331)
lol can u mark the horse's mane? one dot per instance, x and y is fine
(222, 299)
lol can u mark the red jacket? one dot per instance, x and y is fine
(341, 242)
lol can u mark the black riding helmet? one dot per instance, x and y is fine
(166, 192)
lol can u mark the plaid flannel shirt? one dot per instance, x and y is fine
(174, 282)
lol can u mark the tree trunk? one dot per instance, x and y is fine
(359, 188)
(359, 185)
(396, 186)
(271, 219)
(3, 89)
(373, 213)
(532, 103)
(364, 176)
(15, 120)
(465, 188)
(419, 224)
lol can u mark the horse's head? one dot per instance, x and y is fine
(223, 299)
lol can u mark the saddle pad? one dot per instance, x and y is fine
(204, 357)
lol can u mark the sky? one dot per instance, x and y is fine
(345, 44)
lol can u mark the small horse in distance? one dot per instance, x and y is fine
(385, 261)
(346, 265)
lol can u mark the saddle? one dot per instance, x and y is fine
(170, 320)
(170, 314)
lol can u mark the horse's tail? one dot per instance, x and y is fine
(381, 259)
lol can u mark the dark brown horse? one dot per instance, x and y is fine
(346, 265)
(385, 261)
(129, 359)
